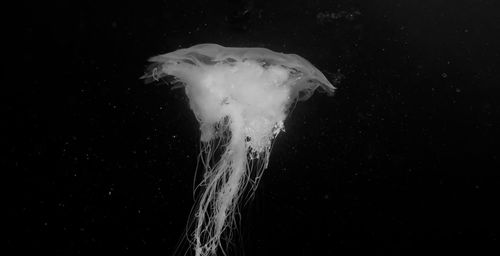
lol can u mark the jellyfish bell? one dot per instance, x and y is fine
(240, 96)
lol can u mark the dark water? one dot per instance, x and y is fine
(403, 160)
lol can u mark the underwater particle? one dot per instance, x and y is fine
(240, 97)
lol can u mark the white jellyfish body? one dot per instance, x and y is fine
(240, 97)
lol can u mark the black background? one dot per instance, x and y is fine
(403, 160)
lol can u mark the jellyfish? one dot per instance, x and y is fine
(240, 97)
